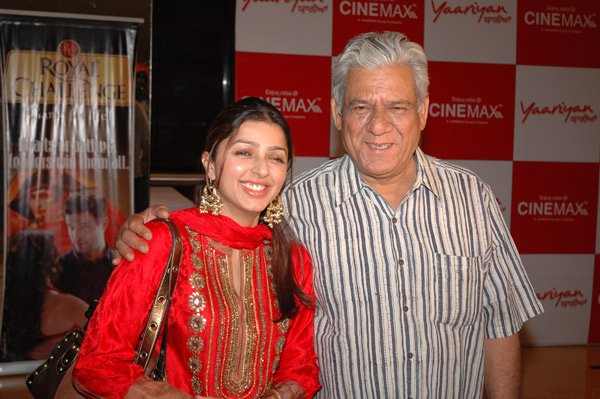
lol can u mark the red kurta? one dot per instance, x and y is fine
(222, 340)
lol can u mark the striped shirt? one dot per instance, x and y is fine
(407, 296)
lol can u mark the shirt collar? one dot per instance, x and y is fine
(426, 174)
(350, 182)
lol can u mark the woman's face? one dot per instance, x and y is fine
(45, 204)
(249, 170)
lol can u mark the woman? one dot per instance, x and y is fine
(36, 315)
(240, 324)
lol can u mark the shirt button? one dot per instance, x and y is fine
(401, 262)
(405, 308)
(394, 220)
(410, 355)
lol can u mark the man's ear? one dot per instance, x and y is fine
(423, 112)
(337, 115)
(209, 165)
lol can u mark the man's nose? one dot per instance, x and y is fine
(379, 121)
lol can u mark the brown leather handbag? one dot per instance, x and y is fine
(53, 378)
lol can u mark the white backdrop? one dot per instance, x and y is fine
(530, 74)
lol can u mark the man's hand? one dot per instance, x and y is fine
(131, 232)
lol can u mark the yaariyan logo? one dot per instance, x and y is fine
(466, 111)
(574, 113)
(563, 298)
(488, 13)
(301, 6)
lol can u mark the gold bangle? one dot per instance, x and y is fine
(273, 393)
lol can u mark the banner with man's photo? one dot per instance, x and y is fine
(68, 91)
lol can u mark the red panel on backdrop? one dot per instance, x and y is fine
(558, 33)
(554, 208)
(594, 337)
(471, 111)
(351, 17)
(299, 86)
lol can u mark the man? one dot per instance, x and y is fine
(36, 201)
(87, 267)
(420, 289)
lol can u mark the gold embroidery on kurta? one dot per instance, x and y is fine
(196, 385)
(195, 344)
(197, 323)
(197, 303)
(197, 261)
(242, 342)
(195, 364)
(197, 281)
(244, 331)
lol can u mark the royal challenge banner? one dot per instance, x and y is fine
(67, 106)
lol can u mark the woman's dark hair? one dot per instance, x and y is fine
(226, 125)
(31, 263)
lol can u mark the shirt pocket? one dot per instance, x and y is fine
(457, 289)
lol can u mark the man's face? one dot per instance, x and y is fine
(86, 233)
(380, 121)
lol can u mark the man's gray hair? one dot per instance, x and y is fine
(375, 50)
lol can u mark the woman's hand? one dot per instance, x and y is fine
(133, 230)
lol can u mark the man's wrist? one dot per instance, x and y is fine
(272, 394)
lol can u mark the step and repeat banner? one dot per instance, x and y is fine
(514, 96)
(67, 112)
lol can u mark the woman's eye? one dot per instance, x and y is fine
(241, 153)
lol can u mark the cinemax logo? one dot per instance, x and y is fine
(485, 13)
(466, 111)
(552, 208)
(374, 9)
(296, 105)
(552, 19)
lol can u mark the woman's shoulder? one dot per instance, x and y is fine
(179, 217)
(302, 263)
(149, 266)
(298, 249)
(161, 231)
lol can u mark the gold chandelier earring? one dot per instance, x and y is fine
(274, 212)
(210, 199)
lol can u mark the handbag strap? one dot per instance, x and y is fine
(162, 299)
